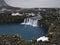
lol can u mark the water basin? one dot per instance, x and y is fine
(26, 31)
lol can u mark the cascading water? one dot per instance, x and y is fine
(33, 21)
(30, 21)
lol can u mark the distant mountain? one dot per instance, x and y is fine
(2, 3)
(6, 6)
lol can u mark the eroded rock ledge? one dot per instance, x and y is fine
(6, 17)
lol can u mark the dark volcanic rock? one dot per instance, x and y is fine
(8, 18)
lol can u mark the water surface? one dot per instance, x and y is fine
(27, 32)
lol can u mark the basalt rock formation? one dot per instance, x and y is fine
(8, 18)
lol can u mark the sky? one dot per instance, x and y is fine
(34, 3)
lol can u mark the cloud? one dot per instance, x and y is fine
(33, 3)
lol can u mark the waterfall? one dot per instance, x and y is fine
(33, 21)
(30, 21)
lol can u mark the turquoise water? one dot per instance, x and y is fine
(27, 32)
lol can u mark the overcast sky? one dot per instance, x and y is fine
(34, 3)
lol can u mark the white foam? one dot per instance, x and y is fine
(43, 38)
(30, 22)
(15, 14)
